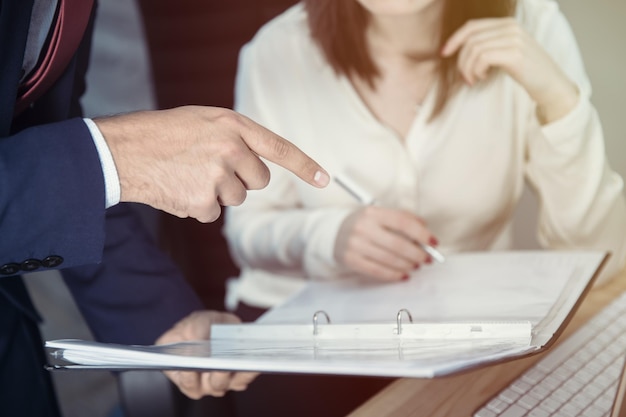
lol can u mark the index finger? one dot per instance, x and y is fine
(274, 148)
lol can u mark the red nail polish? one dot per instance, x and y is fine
(405, 277)
(429, 260)
(416, 266)
(433, 241)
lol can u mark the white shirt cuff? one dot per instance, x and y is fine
(111, 179)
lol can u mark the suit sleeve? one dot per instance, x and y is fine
(51, 197)
(52, 204)
(136, 293)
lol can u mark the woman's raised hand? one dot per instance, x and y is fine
(486, 44)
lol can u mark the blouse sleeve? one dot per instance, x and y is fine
(581, 200)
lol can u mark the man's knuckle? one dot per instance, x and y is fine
(237, 198)
(263, 178)
(207, 211)
(223, 115)
(193, 394)
(241, 197)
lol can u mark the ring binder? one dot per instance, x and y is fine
(315, 320)
(401, 312)
(399, 318)
(457, 322)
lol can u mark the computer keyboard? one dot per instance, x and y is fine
(578, 377)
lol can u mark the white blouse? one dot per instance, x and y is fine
(463, 172)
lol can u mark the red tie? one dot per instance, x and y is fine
(67, 33)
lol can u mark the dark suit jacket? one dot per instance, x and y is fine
(52, 207)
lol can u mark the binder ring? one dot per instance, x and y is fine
(399, 318)
(315, 317)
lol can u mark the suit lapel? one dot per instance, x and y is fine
(14, 21)
(67, 32)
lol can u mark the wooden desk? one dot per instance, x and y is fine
(461, 395)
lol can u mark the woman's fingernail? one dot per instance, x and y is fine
(405, 277)
(433, 241)
(416, 266)
(429, 260)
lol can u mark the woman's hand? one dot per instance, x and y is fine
(195, 385)
(485, 44)
(382, 243)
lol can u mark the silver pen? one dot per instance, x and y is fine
(367, 199)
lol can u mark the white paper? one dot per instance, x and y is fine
(486, 286)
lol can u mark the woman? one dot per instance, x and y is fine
(443, 110)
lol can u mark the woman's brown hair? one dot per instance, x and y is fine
(338, 26)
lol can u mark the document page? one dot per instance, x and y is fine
(538, 286)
